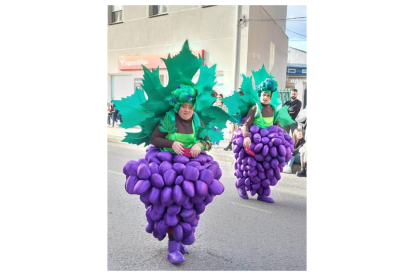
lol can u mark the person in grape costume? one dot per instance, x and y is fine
(261, 146)
(177, 179)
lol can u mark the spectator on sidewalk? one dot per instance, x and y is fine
(294, 107)
(114, 115)
(303, 162)
(110, 112)
(233, 128)
(299, 142)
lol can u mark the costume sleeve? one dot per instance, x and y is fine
(249, 121)
(206, 143)
(158, 139)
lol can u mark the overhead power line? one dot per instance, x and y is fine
(270, 19)
(296, 33)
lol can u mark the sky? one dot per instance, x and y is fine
(296, 26)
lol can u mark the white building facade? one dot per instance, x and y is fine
(236, 38)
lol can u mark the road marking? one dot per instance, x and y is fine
(257, 209)
(116, 172)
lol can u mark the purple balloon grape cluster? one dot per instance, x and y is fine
(272, 148)
(175, 190)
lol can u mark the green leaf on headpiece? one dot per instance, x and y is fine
(260, 75)
(131, 110)
(182, 66)
(155, 91)
(167, 124)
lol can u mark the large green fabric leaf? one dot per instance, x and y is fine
(215, 136)
(137, 138)
(283, 116)
(182, 67)
(131, 110)
(155, 91)
(260, 75)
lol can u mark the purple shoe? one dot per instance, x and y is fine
(174, 255)
(183, 249)
(265, 199)
(242, 193)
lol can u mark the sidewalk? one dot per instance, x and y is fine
(116, 134)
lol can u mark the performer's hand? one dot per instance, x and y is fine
(195, 150)
(247, 142)
(178, 147)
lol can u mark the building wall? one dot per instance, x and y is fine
(141, 35)
(268, 43)
(296, 56)
(213, 29)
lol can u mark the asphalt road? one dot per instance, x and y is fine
(233, 234)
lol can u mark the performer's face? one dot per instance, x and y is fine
(294, 95)
(186, 111)
(265, 98)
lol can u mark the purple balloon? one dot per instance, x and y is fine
(153, 168)
(191, 173)
(178, 195)
(272, 129)
(165, 156)
(154, 159)
(167, 196)
(253, 172)
(215, 188)
(260, 167)
(276, 141)
(187, 230)
(130, 168)
(261, 175)
(174, 209)
(257, 138)
(130, 184)
(179, 180)
(188, 205)
(178, 167)
(265, 150)
(181, 159)
(206, 176)
(259, 157)
(188, 215)
(178, 233)
(254, 129)
(197, 199)
(188, 188)
(201, 188)
(165, 166)
(155, 196)
(199, 208)
(171, 220)
(264, 132)
(157, 181)
(142, 187)
(266, 182)
(169, 177)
